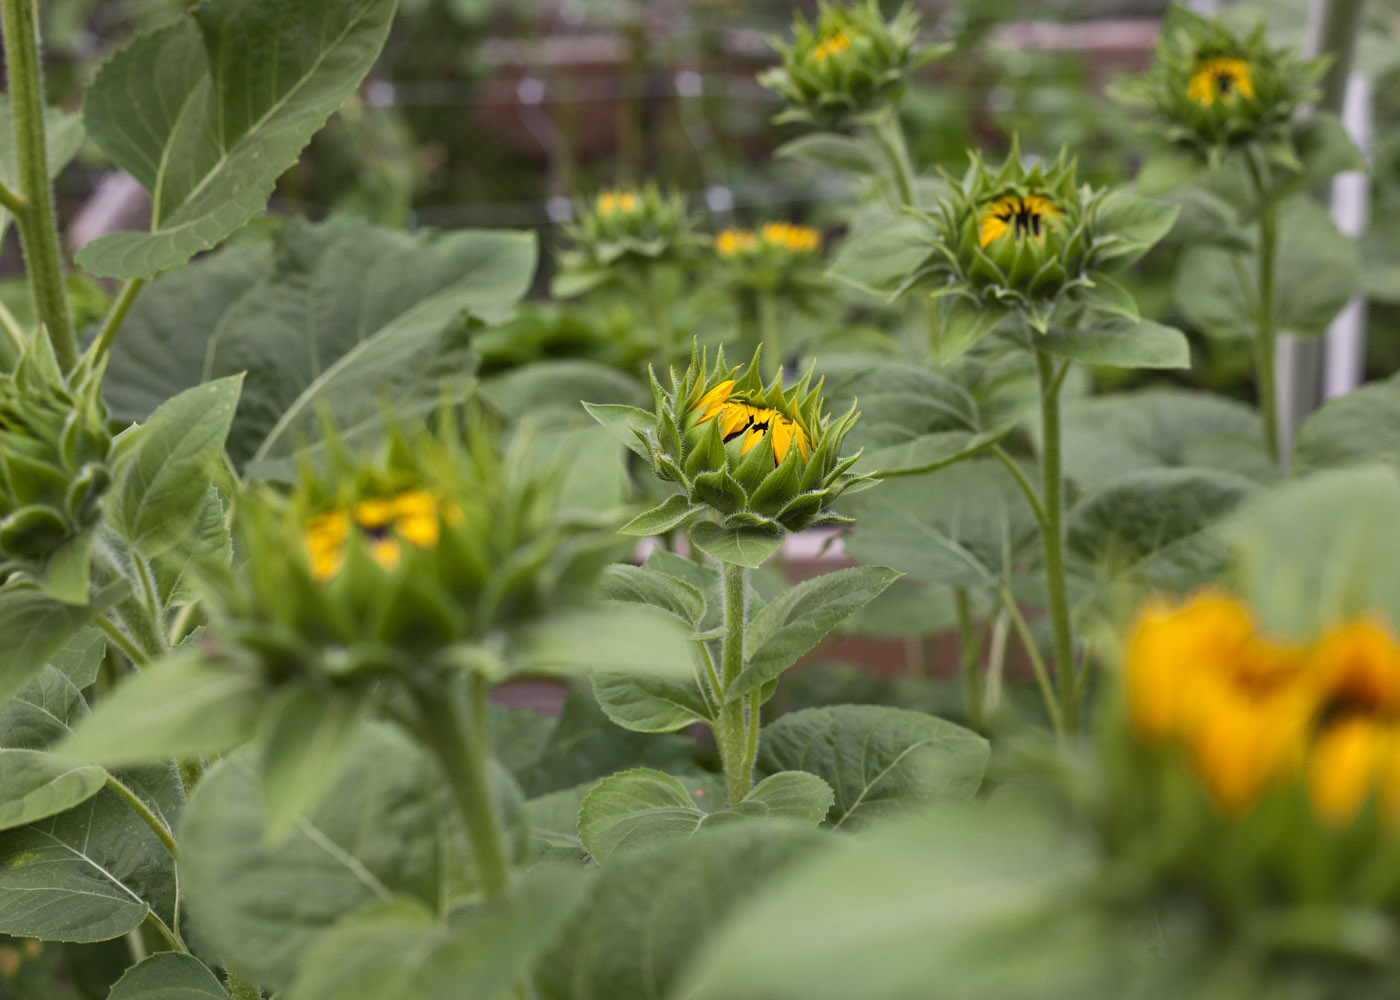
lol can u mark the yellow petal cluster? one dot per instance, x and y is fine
(617, 203)
(749, 421)
(830, 46)
(412, 516)
(785, 236)
(1220, 79)
(1252, 712)
(1023, 215)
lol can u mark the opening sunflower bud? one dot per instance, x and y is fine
(1220, 79)
(1024, 216)
(748, 423)
(848, 63)
(382, 523)
(1213, 89)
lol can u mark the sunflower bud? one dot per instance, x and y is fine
(778, 257)
(54, 451)
(1028, 240)
(1213, 89)
(757, 457)
(851, 61)
(626, 227)
(398, 561)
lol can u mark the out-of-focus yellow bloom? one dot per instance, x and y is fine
(616, 203)
(797, 239)
(733, 242)
(1253, 712)
(413, 516)
(1220, 79)
(739, 419)
(1025, 215)
(830, 46)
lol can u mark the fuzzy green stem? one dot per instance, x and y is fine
(1052, 534)
(452, 731)
(771, 334)
(1038, 668)
(1266, 312)
(145, 813)
(732, 726)
(34, 214)
(239, 988)
(971, 657)
(1266, 341)
(889, 133)
(120, 639)
(121, 305)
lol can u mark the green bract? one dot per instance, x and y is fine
(757, 457)
(420, 558)
(1213, 89)
(850, 61)
(1029, 240)
(54, 452)
(627, 227)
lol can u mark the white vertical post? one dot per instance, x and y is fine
(1345, 352)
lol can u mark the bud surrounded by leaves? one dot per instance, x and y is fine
(1213, 89)
(1028, 239)
(756, 456)
(849, 62)
(54, 455)
(778, 257)
(422, 555)
(627, 227)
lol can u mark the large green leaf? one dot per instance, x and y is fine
(1106, 436)
(305, 737)
(1317, 270)
(42, 712)
(652, 908)
(634, 808)
(1116, 342)
(880, 761)
(35, 785)
(555, 390)
(348, 316)
(965, 525)
(168, 975)
(967, 902)
(1361, 426)
(398, 948)
(652, 704)
(207, 112)
(741, 546)
(35, 627)
(380, 833)
(165, 465)
(783, 630)
(1151, 529)
(1320, 549)
(93, 872)
(879, 259)
(180, 707)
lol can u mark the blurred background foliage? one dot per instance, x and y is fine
(488, 113)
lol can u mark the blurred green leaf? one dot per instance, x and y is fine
(208, 111)
(880, 761)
